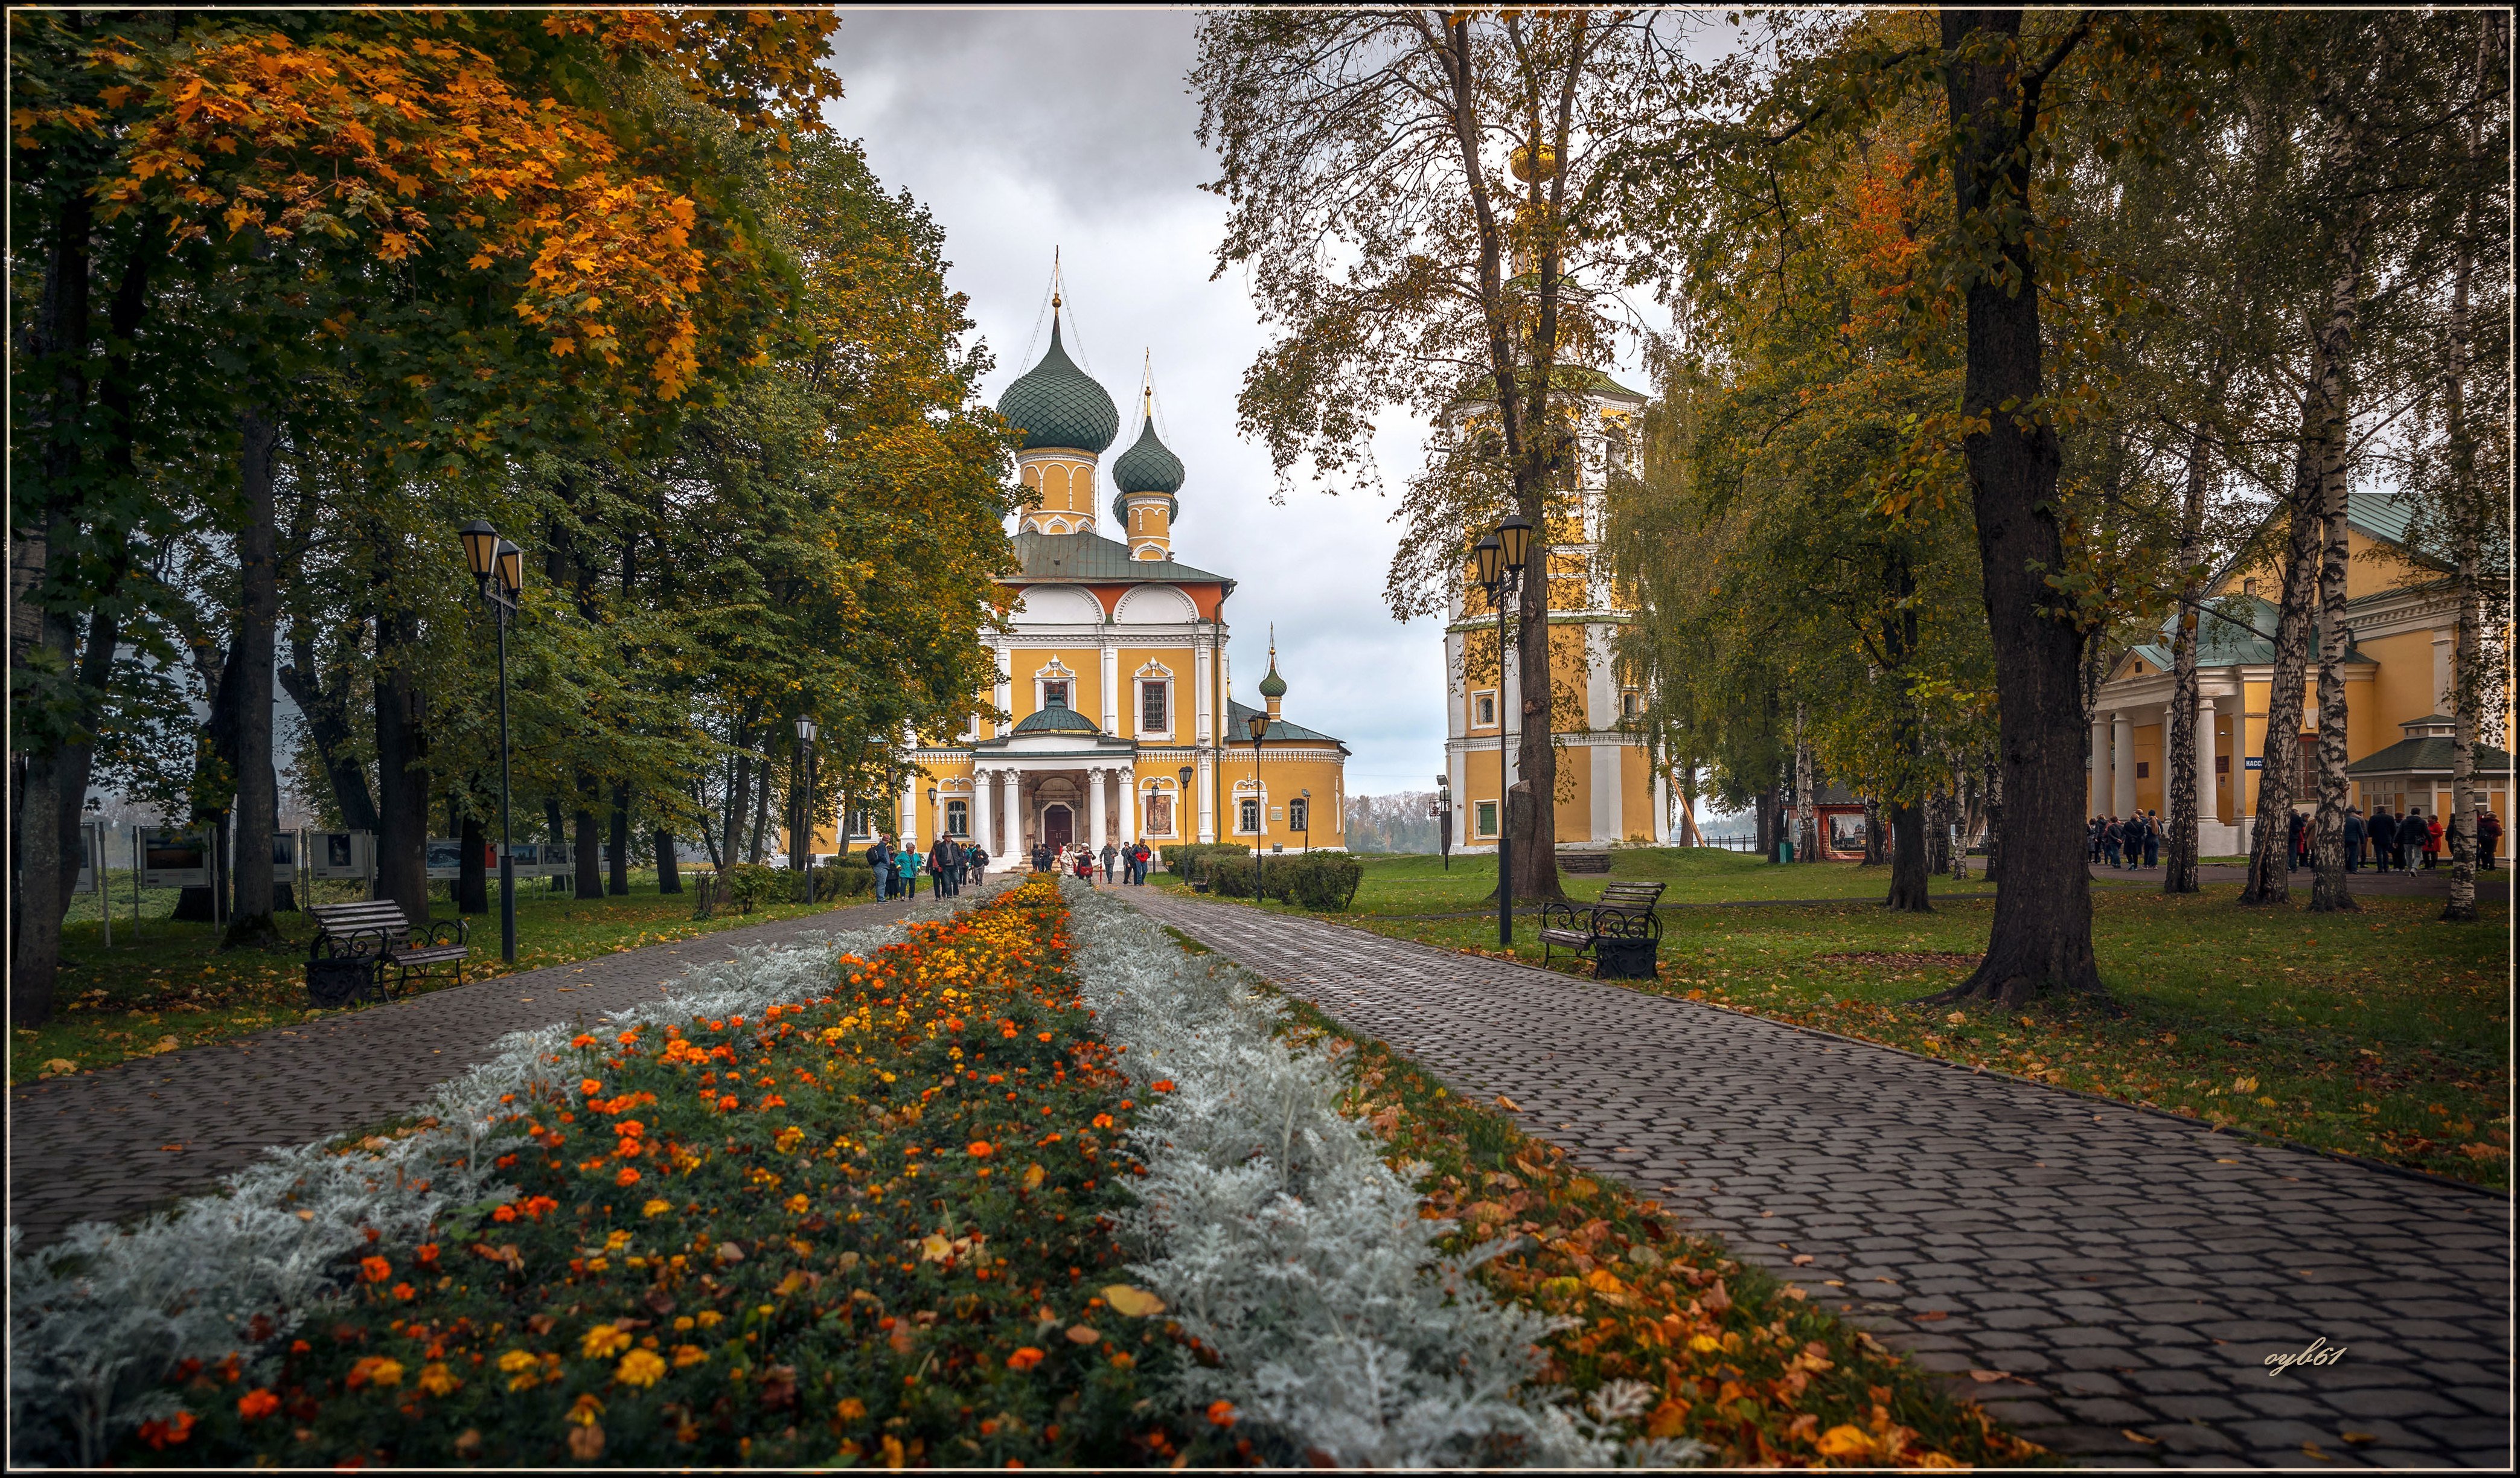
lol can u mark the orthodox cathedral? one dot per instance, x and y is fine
(1120, 721)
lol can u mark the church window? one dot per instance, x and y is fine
(861, 826)
(1632, 704)
(1153, 713)
(1483, 710)
(1053, 693)
(1250, 818)
(2143, 769)
(1299, 815)
(1160, 815)
(1487, 818)
(958, 818)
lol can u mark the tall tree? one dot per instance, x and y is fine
(1416, 198)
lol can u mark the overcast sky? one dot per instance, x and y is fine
(1024, 130)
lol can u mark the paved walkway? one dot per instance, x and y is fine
(104, 1144)
(2127, 1272)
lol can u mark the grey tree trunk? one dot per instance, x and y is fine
(588, 854)
(2327, 890)
(402, 776)
(2467, 517)
(2271, 845)
(669, 866)
(1874, 854)
(257, 799)
(1804, 850)
(616, 856)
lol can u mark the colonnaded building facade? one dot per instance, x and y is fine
(2400, 624)
(1120, 720)
(1610, 790)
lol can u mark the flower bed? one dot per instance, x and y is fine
(871, 1224)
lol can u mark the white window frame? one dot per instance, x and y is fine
(1163, 686)
(1172, 809)
(1483, 815)
(958, 819)
(1299, 815)
(1247, 816)
(1486, 696)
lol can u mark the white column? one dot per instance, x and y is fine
(1661, 831)
(1606, 791)
(1095, 792)
(1010, 825)
(984, 789)
(1205, 732)
(2102, 793)
(2208, 812)
(2121, 764)
(1128, 809)
(1207, 795)
(910, 811)
(1111, 689)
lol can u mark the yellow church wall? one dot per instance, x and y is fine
(2403, 689)
(2147, 745)
(2370, 568)
(1636, 819)
(1284, 780)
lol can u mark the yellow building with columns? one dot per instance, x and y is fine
(1113, 717)
(2399, 620)
(1610, 791)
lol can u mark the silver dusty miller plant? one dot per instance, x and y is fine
(1276, 1233)
(99, 1320)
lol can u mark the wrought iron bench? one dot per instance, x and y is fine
(357, 943)
(1621, 931)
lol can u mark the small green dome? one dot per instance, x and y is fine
(1273, 685)
(1055, 404)
(1057, 718)
(1148, 467)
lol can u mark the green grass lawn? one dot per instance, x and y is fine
(1410, 884)
(169, 987)
(2381, 1033)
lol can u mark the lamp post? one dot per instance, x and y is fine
(1443, 819)
(1258, 724)
(1307, 795)
(801, 841)
(1501, 558)
(499, 567)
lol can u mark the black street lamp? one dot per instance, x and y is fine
(1258, 724)
(1501, 558)
(801, 841)
(499, 567)
(1307, 828)
(1443, 819)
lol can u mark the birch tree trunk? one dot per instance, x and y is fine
(2327, 890)
(2270, 842)
(1803, 849)
(2179, 862)
(2467, 516)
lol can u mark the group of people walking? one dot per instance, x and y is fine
(2132, 841)
(949, 867)
(2392, 842)
(1130, 864)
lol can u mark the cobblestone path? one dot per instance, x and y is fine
(2127, 1272)
(104, 1144)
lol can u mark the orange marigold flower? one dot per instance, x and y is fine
(581, 1040)
(1161, 1086)
(504, 1214)
(1221, 1413)
(256, 1404)
(426, 1252)
(627, 1176)
(981, 1147)
(1025, 1359)
(590, 1087)
(406, 1292)
(375, 1269)
(1103, 1121)
(726, 1103)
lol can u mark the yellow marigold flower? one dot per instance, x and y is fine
(657, 1207)
(605, 1340)
(710, 1319)
(688, 1355)
(640, 1367)
(796, 1205)
(436, 1379)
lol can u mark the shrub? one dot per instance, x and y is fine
(750, 884)
(1324, 881)
(845, 877)
(1189, 858)
(752, 1241)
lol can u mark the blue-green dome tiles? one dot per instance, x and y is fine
(1057, 718)
(1055, 404)
(1273, 685)
(1148, 467)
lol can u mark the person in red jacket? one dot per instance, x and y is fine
(2432, 842)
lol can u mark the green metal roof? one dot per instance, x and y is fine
(1147, 466)
(2428, 756)
(2237, 631)
(1055, 404)
(1057, 718)
(1564, 378)
(1237, 719)
(1089, 558)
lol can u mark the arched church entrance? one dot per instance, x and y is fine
(1057, 826)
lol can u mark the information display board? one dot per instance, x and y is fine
(284, 856)
(445, 857)
(173, 859)
(342, 854)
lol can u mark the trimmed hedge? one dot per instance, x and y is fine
(1323, 881)
(1189, 858)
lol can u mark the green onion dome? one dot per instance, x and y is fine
(1273, 685)
(1055, 404)
(1148, 467)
